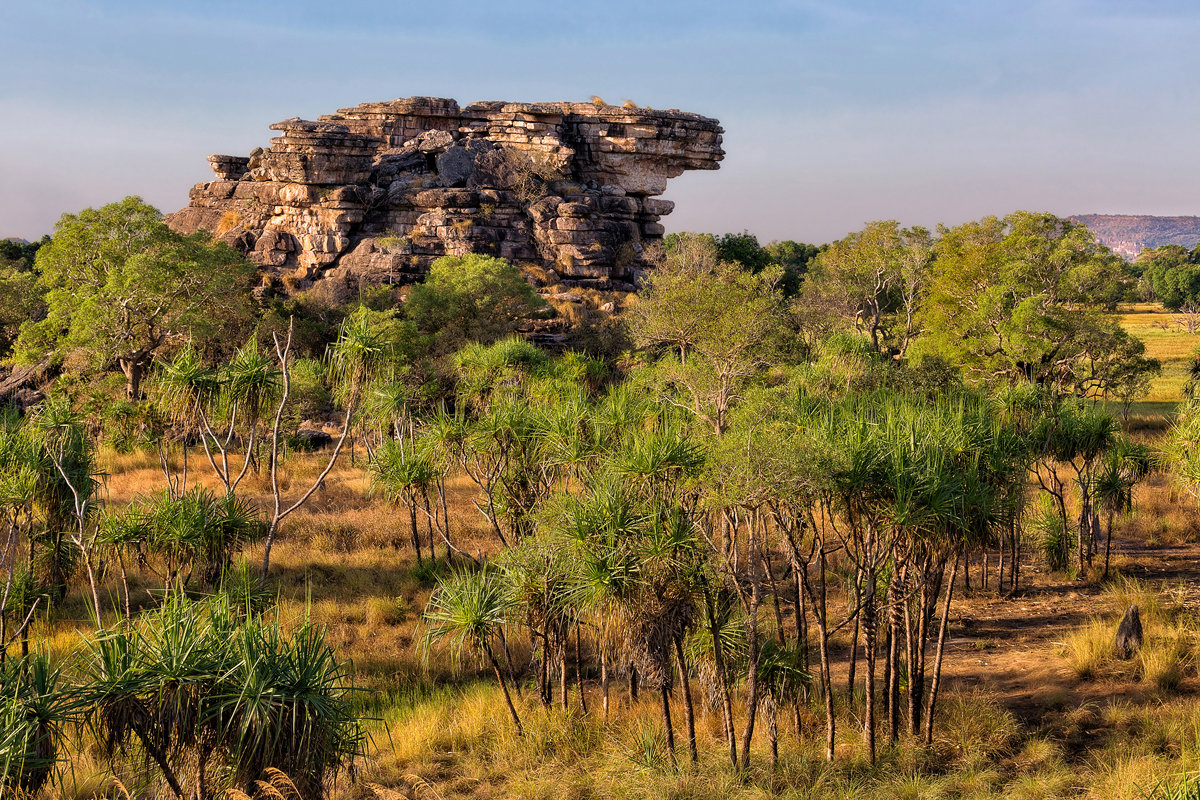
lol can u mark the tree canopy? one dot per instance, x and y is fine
(1026, 297)
(471, 298)
(120, 285)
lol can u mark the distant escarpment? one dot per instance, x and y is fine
(1129, 234)
(376, 192)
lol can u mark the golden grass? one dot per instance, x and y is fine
(440, 729)
(1089, 648)
(1166, 660)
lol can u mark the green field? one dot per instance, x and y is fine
(1171, 344)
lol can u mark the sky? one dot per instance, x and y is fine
(835, 113)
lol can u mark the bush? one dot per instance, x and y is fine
(471, 298)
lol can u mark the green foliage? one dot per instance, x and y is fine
(715, 324)
(20, 255)
(34, 711)
(1053, 540)
(467, 612)
(120, 284)
(192, 684)
(1026, 298)
(794, 258)
(21, 300)
(872, 281)
(471, 298)
(197, 531)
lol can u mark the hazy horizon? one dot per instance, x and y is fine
(835, 113)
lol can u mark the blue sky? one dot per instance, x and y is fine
(836, 113)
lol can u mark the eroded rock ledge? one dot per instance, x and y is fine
(374, 193)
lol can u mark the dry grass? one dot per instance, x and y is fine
(1089, 649)
(1166, 660)
(440, 730)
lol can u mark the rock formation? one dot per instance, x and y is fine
(376, 192)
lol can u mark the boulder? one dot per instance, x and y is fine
(312, 439)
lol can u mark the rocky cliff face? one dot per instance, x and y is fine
(1129, 234)
(378, 191)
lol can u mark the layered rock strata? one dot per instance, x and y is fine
(376, 192)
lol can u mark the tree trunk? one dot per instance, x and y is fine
(604, 681)
(820, 615)
(412, 517)
(1107, 545)
(512, 710)
(563, 698)
(689, 713)
(937, 661)
(722, 685)
(666, 711)
(579, 670)
(869, 635)
(752, 670)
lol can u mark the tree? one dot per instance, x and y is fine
(1023, 298)
(467, 613)
(715, 324)
(34, 711)
(195, 683)
(471, 298)
(120, 285)
(1173, 273)
(20, 301)
(872, 280)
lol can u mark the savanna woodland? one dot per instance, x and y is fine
(857, 520)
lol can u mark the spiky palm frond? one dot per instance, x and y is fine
(35, 709)
(251, 381)
(192, 680)
(467, 611)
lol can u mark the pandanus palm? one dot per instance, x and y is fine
(600, 526)
(193, 684)
(64, 493)
(467, 613)
(198, 531)
(1124, 466)
(403, 473)
(186, 390)
(35, 709)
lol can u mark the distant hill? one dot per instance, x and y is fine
(1129, 234)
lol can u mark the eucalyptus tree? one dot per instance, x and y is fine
(467, 613)
(873, 280)
(121, 285)
(713, 324)
(1027, 298)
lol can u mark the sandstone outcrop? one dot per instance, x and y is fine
(376, 192)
